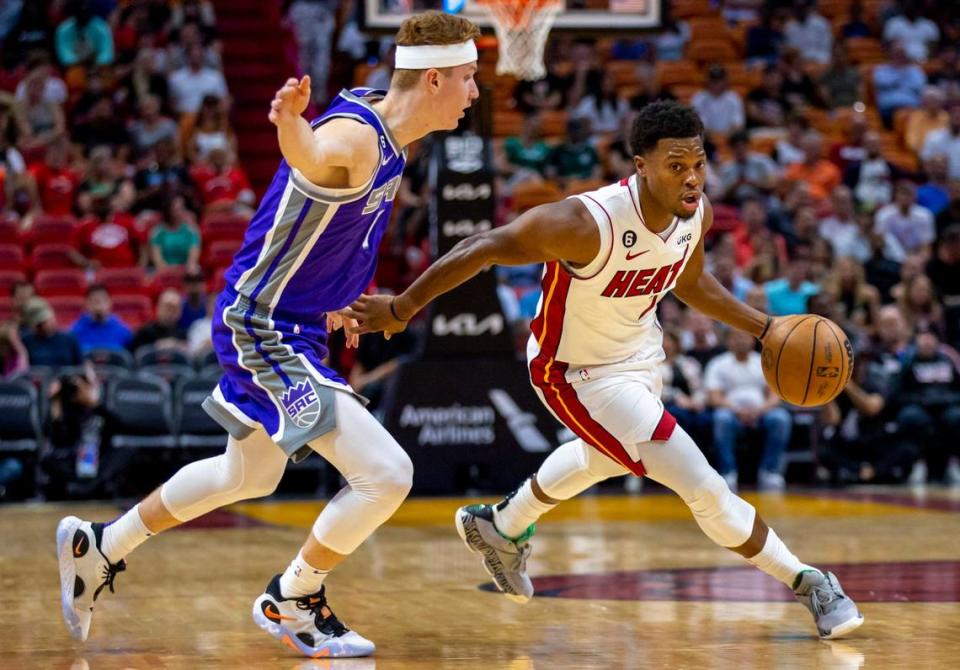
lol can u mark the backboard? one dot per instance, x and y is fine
(582, 16)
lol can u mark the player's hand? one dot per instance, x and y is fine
(291, 100)
(374, 314)
(337, 320)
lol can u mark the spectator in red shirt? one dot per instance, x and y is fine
(109, 240)
(222, 184)
(746, 238)
(57, 182)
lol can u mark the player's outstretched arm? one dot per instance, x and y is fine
(340, 144)
(561, 230)
(700, 290)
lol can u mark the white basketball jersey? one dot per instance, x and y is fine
(602, 317)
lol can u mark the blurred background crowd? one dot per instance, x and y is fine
(134, 143)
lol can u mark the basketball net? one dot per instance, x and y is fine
(522, 27)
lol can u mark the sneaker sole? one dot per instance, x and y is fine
(844, 628)
(333, 649)
(462, 532)
(68, 574)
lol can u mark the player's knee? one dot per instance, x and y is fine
(710, 497)
(723, 517)
(394, 479)
(265, 483)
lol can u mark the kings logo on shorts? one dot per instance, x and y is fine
(302, 404)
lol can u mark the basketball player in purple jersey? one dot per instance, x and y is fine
(309, 251)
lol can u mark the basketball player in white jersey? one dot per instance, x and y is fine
(611, 255)
(309, 251)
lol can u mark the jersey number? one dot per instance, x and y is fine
(387, 192)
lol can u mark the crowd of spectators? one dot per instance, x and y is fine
(834, 169)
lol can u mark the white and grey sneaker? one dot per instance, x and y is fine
(834, 613)
(504, 559)
(84, 572)
(307, 625)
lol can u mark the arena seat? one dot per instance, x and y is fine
(60, 282)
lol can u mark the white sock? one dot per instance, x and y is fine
(777, 561)
(301, 579)
(123, 535)
(514, 515)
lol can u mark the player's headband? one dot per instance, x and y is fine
(433, 55)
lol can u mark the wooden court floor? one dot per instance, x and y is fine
(625, 582)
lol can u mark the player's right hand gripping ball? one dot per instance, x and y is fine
(807, 359)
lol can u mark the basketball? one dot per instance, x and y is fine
(807, 359)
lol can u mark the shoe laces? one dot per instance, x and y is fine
(518, 563)
(823, 595)
(110, 571)
(323, 617)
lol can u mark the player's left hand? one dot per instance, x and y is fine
(337, 320)
(373, 314)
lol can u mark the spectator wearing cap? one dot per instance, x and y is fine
(898, 83)
(931, 115)
(719, 107)
(165, 330)
(820, 175)
(99, 327)
(928, 390)
(809, 33)
(195, 300)
(175, 240)
(946, 142)
(747, 173)
(45, 343)
(789, 294)
(910, 224)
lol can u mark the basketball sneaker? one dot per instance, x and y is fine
(84, 572)
(833, 611)
(307, 624)
(504, 559)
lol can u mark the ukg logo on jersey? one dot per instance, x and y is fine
(302, 404)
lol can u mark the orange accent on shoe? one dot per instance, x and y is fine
(276, 616)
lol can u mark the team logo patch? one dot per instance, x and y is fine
(302, 404)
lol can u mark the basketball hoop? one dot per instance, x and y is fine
(522, 27)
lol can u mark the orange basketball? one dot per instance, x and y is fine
(807, 359)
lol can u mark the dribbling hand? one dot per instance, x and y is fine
(291, 100)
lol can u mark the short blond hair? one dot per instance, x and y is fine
(430, 28)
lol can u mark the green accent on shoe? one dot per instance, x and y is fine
(523, 537)
(799, 578)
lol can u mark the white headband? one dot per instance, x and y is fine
(430, 55)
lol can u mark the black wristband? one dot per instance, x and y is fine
(766, 327)
(393, 310)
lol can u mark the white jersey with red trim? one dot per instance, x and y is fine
(602, 318)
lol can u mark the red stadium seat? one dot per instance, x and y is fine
(123, 281)
(6, 308)
(713, 51)
(223, 226)
(51, 257)
(218, 282)
(220, 253)
(171, 277)
(134, 310)
(67, 309)
(65, 282)
(11, 257)
(51, 230)
(681, 72)
(9, 230)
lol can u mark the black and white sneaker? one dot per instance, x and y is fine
(307, 625)
(84, 572)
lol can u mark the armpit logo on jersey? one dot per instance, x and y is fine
(302, 404)
(630, 283)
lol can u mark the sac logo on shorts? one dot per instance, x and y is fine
(302, 404)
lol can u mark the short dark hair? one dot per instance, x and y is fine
(94, 288)
(660, 120)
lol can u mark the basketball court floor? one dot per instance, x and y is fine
(623, 582)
